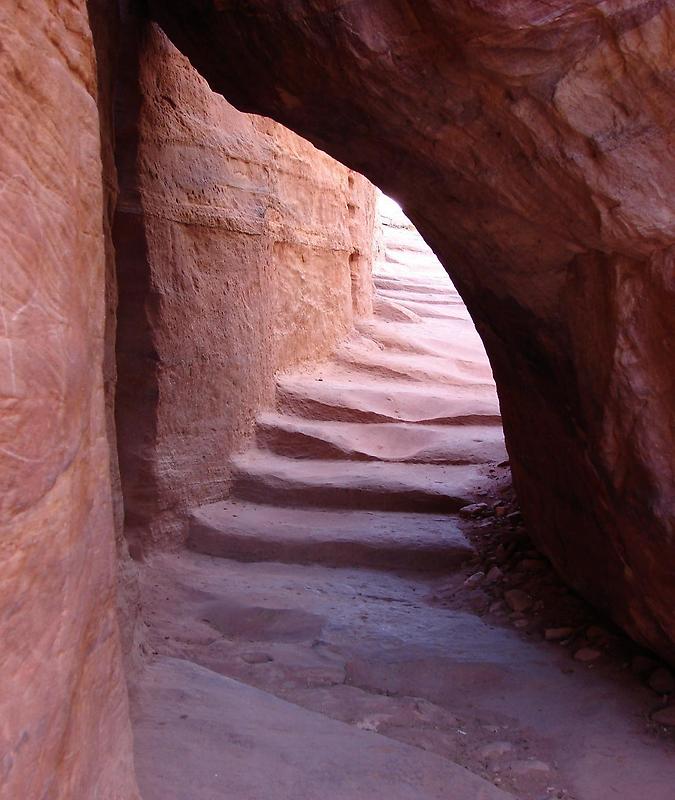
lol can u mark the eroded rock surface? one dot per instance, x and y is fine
(241, 250)
(64, 730)
(531, 144)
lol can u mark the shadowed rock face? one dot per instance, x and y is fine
(529, 143)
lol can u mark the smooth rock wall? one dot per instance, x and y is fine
(241, 250)
(531, 144)
(64, 730)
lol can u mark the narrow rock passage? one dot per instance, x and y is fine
(320, 638)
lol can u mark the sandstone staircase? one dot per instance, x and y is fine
(367, 457)
(363, 464)
(319, 639)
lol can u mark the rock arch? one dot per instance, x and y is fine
(529, 143)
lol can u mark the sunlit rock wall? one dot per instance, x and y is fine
(241, 250)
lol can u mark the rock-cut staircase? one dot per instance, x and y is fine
(320, 638)
(367, 455)
(361, 468)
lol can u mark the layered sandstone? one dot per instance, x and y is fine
(531, 144)
(241, 250)
(64, 730)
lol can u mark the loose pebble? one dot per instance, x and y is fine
(474, 580)
(473, 510)
(371, 723)
(557, 634)
(662, 681)
(665, 716)
(494, 574)
(518, 600)
(587, 654)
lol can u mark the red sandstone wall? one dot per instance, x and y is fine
(238, 245)
(64, 732)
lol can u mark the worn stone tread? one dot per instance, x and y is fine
(250, 532)
(217, 738)
(301, 438)
(261, 476)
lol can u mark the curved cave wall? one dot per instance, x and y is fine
(531, 144)
(241, 250)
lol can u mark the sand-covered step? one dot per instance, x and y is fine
(387, 309)
(428, 298)
(216, 737)
(297, 437)
(356, 398)
(424, 308)
(442, 290)
(363, 354)
(447, 340)
(338, 538)
(262, 477)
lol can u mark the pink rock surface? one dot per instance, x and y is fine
(64, 731)
(407, 442)
(263, 477)
(531, 144)
(241, 250)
